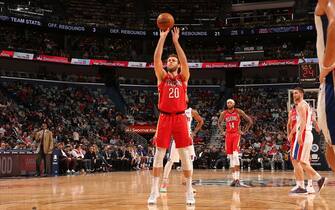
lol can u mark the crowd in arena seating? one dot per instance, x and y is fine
(77, 116)
(83, 119)
(141, 105)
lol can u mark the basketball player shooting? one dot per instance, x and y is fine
(232, 117)
(302, 146)
(174, 156)
(172, 122)
(325, 49)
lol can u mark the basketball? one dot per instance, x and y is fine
(165, 21)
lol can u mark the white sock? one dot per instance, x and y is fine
(155, 187)
(189, 188)
(237, 175)
(317, 176)
(310, 182)
(301, 184)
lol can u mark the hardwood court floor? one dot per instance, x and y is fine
(130, 190)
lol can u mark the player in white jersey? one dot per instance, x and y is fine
(174, 155)
(302, 146)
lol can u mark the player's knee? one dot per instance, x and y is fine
(159, 156)
(236, 160)
(185, 159)
(231, 161)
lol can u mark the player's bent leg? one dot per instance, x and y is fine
(188, 171)
(157, 169)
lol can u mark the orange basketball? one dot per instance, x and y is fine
(165, 21)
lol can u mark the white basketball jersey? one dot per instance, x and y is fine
(188, 113)
(309, 123)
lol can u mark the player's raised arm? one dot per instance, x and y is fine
(246, 118)
(158, 64)
(200, 121)
(185, 71)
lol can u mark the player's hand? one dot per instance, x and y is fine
(193, 135)
(322, 76)
(175, 34)
(325, 71)
(163, 34)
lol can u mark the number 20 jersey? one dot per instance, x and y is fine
(172, 94)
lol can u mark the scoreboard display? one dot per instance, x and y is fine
(308, 72)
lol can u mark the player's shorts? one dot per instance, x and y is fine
(172, 125)
(174, 155)
(232, 142)
(302, 153)
(292, 143)
(326, 108)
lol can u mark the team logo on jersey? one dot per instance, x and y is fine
(173, 83)
(231, 118)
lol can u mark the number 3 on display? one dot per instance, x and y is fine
(173, 92)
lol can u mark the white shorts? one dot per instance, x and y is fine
(174, 155)
(302, 153)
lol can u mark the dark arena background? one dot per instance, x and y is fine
(84, 69)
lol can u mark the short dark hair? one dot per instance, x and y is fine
(300, 90)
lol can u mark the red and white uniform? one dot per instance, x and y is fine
(232, 120)
(293, 113)
(172, 121)
(174, 155)
(302, 152)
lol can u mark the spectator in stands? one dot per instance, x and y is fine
(89, 159)
(105, 156)
(44, 139)
(66, 162)
(78, 154)
(3, 146)
(278, 161)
